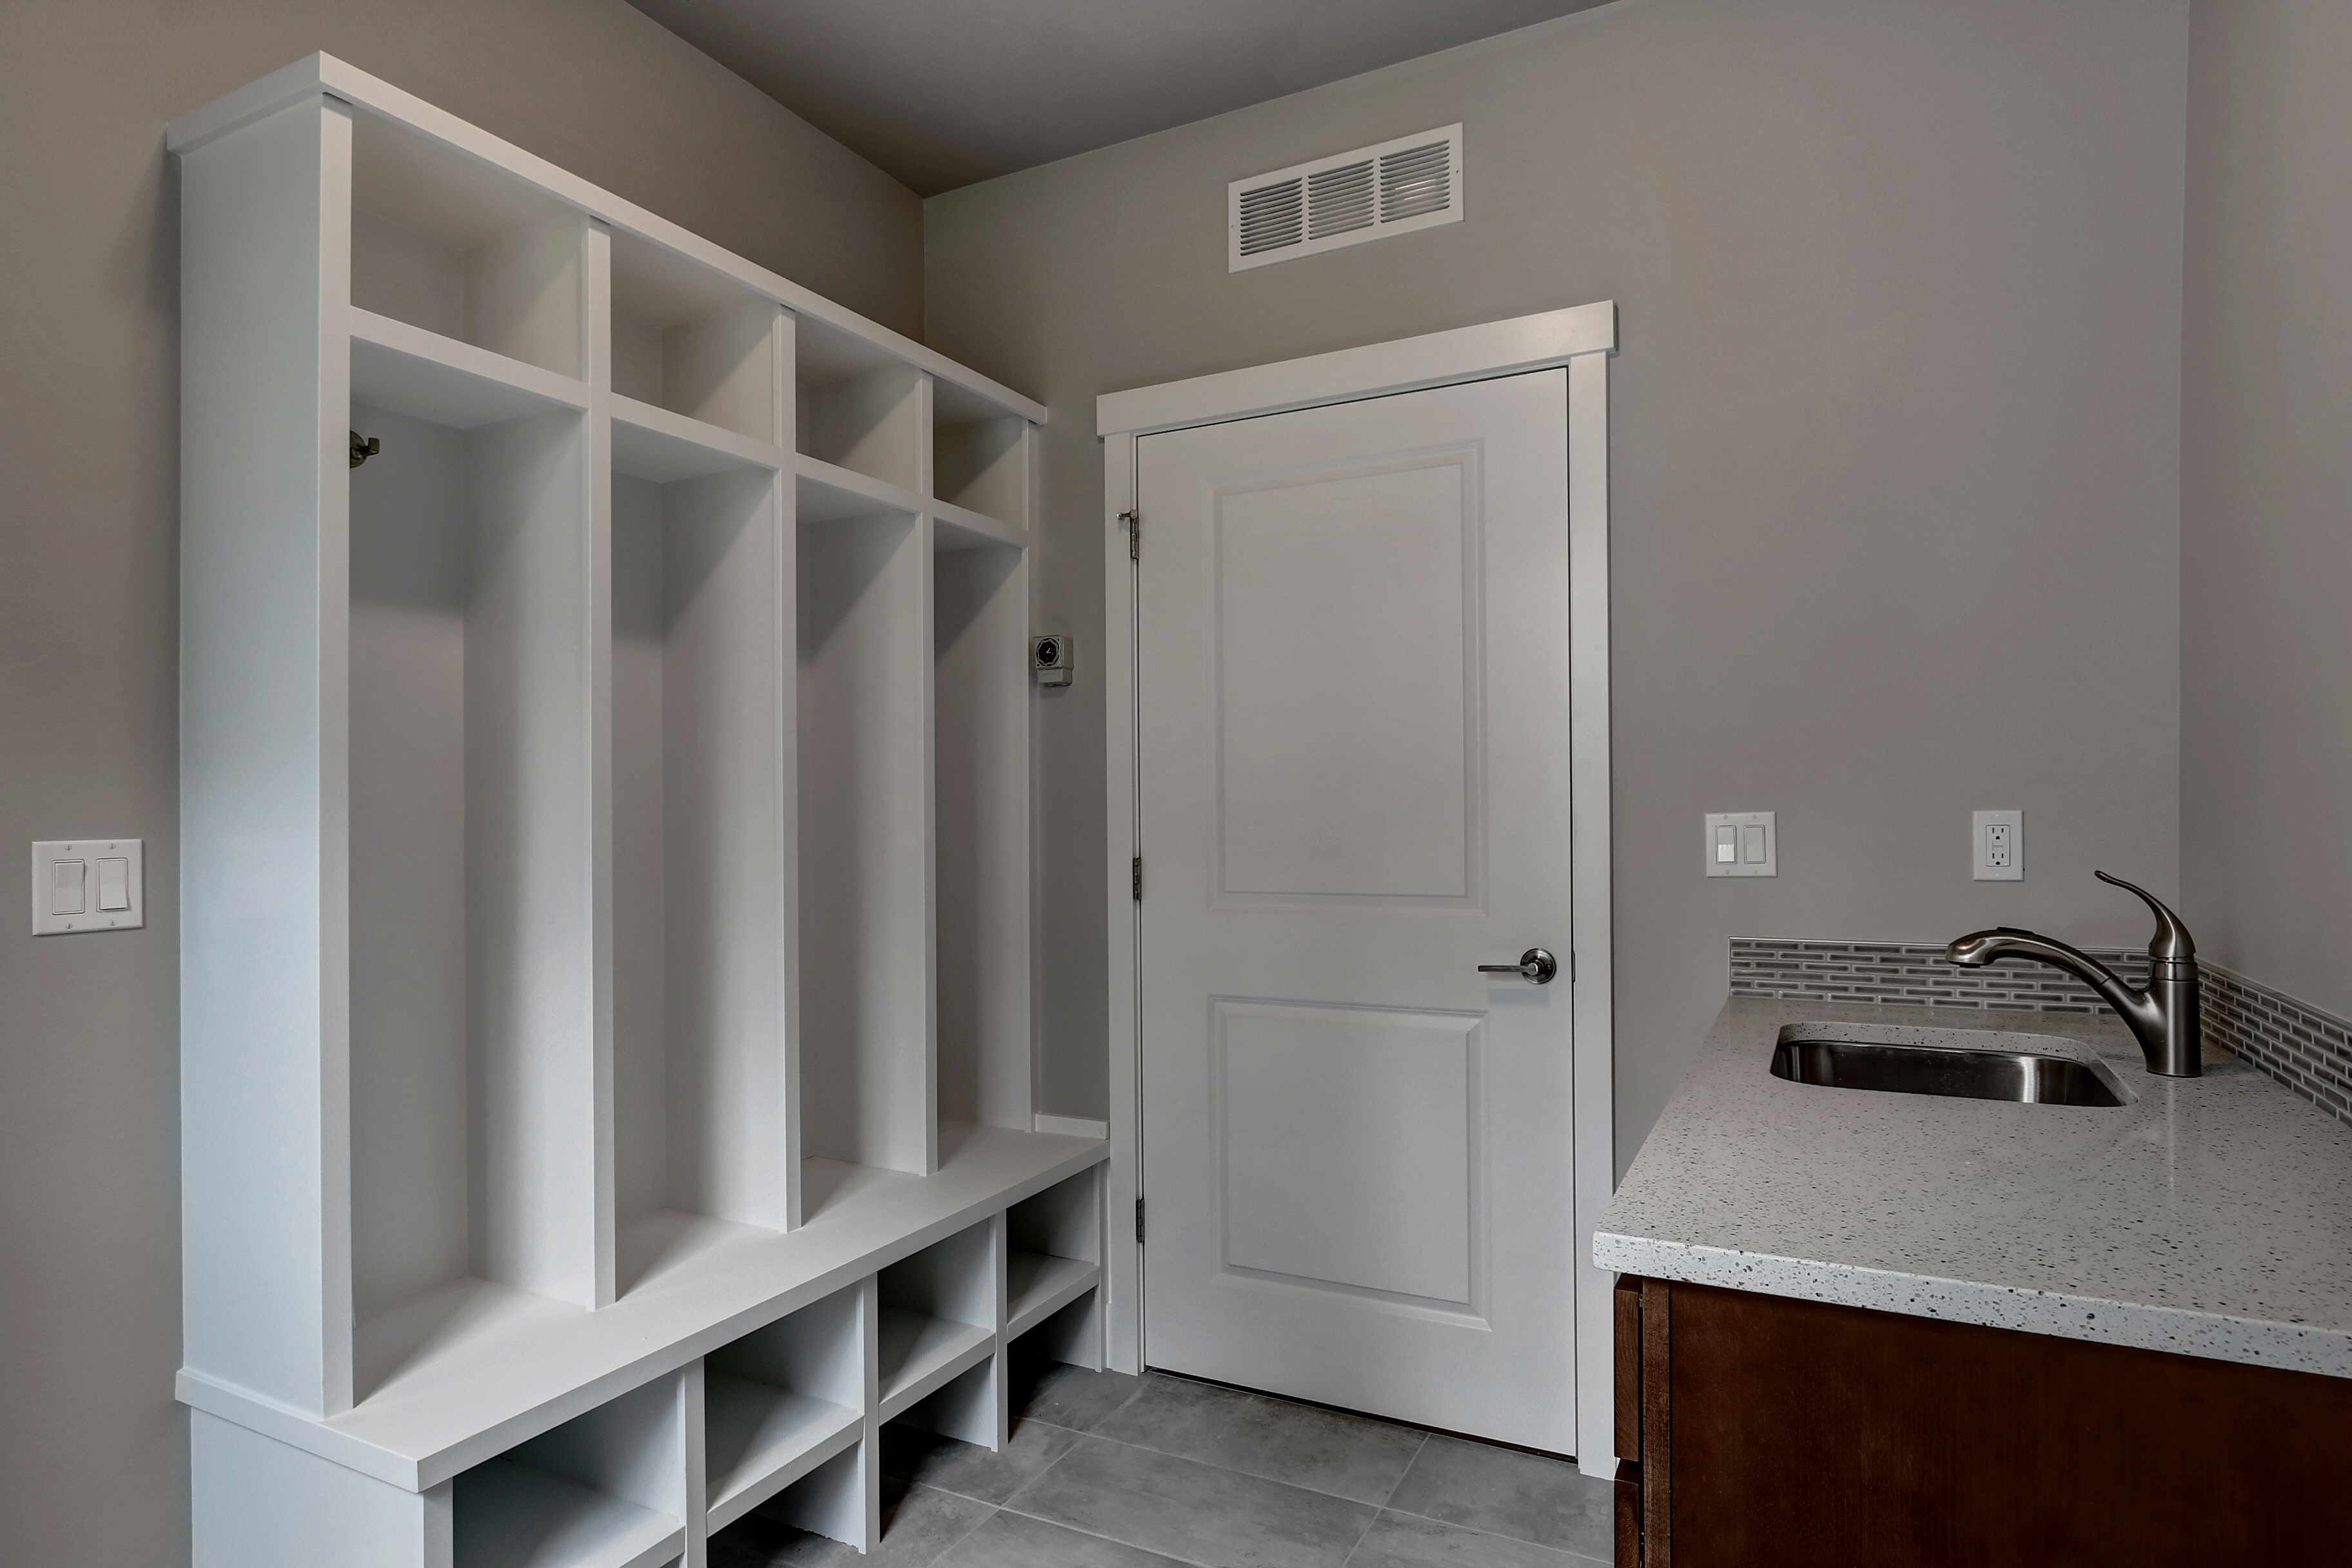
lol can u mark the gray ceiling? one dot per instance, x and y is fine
(944, 92)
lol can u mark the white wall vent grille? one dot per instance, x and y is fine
(1413, 182)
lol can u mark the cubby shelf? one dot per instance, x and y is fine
(961, 528)
(763, 1438)
(1036, 1286)
(655, 444)
(510, 1515)
(427, 376)
(827, 493)
(614, 735)
(919, 1352)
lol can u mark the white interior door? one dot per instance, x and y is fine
(1352, 666)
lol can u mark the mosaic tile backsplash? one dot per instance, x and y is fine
(2307, 1051)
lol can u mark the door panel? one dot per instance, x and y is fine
(1352, 683)
(1347, 681)
(1347, 1137)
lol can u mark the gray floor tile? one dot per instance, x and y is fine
(1016, 1541)
(1505, 1492)
(1408, 1540)
(967, 1470)
(1347, 1456)
(919, 1526)
(1066, 1396)
(1182, 1509)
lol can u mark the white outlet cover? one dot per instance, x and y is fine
(1980, 866)
(1752, 838)
(88, 884)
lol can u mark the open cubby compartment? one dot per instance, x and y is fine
(858, 407)
(444, 241)
(471, 713)
(1053, 1265)
(703, 799)
(937, 1321)
(982, 455)
(866, 1018)
(841, 1497)
(611, 1489)
(691, 339)
(980, 814)
(782, 1402)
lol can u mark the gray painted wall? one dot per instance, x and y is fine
(2266, 496)
(90, 1444)
(1894, 452)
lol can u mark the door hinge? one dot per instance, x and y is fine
(1135, 873)
(1138, 1222)
(1134, 521)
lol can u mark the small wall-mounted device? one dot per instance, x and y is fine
(1998, 839)
(88, 884)
(1050, 658)
(1742, 844)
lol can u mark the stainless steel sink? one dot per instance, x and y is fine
(1990, 1068)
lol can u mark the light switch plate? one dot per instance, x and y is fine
(1997, 845)
(1742, 844)
(88, 884)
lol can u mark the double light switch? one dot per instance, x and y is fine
(1742, 844)
(87, 884)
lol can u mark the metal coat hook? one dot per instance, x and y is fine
(363, 448)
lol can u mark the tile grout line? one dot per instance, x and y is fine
(1097, 1535)
(1418, 1449)
(993, 1510)
(1576, 1557)
(1421, 1440)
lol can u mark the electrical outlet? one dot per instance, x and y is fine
(1742, 844)
(1997, 845)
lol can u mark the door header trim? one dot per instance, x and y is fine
(1375, 370)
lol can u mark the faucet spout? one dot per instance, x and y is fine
(2163, 1016)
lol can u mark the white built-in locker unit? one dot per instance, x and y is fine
(606, 930)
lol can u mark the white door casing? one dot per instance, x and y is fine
(1348, 1129)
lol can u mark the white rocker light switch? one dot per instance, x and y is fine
(87, 884)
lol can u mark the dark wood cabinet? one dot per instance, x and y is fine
(1756, 1430)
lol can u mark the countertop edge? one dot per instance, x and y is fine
(2288, 1347)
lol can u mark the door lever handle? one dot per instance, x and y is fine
(1535, 966)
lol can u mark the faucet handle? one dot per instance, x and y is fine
(2171, 940)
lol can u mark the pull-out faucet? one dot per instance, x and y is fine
(2163, 1016)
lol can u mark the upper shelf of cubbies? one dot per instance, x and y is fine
(427, 170)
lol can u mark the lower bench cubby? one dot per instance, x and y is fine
(779, 1403)
(1053, 1261)
(937, 1317)
(780, 1426)
(605, 1489)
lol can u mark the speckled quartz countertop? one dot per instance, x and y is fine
(2212, 1216)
